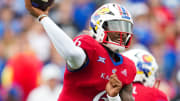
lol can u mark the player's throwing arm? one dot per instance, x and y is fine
(74, 55)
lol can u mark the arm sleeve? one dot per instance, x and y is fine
(74, 56)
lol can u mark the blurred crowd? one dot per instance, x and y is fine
(31, 69)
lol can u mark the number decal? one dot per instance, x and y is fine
(77, 42)
(134, 90)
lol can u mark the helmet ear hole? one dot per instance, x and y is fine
(105, 26)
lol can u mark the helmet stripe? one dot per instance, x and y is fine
(125, 13)
(120, 10)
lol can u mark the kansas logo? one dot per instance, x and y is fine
(141, 69)
(147, 58)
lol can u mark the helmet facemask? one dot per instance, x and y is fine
(117, 35)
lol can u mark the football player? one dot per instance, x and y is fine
(144, 86)
(91, 59)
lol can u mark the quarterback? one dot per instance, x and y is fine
(92, 58)
(144, 83)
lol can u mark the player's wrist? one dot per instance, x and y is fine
(40, 17)
(115, 98)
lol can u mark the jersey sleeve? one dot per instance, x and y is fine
(87, 43)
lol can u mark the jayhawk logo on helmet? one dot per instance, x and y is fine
(147, 58)
(103, 11)
(145, 65)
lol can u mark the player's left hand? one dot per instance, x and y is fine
(34, 11)
(114, 86)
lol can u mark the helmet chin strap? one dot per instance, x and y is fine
(127, 39)
(113, 47)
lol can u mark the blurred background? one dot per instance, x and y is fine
(32, 70)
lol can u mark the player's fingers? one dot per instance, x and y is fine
(116, 84)
(114, 78)
(37, 10)
(28, 4)
(112, 75)
(47, 10)
(113, 83)
(108, 85)
(33, 11)
(117, 88)
(51, 6)
(119, 85)
(117, 80)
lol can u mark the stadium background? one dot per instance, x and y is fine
(23, 41)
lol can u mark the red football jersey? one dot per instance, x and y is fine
(88, 83)
(142, 93)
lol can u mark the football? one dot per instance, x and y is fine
(41, 4)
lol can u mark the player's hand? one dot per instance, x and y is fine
(34, 11)
(114, 86)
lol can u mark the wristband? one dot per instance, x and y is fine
(115, 98)
(39, 17)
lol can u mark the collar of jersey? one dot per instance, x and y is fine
(119, 62)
